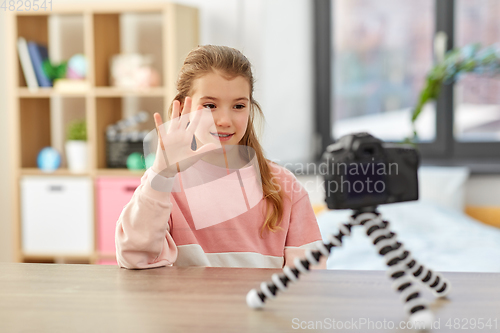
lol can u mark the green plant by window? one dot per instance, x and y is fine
(77, 130)
(456, 63)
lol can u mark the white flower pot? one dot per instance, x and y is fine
(77, 156)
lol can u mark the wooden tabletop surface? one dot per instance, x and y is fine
(93, 298)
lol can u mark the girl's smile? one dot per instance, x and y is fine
(222, 136)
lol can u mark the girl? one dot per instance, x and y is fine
(157, 228)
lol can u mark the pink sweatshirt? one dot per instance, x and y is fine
(190, 228)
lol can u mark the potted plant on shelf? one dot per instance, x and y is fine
(456, 62)
(76, 147)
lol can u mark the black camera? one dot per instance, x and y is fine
(363, 171)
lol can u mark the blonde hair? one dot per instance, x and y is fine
(231, 62)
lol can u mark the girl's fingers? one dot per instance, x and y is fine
(185, 112)
(158, 123)
(196, 120)
(158, 120)
(206, 148)
(187, 105)
(176, 107)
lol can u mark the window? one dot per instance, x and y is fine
(379, 52)
(477, 112)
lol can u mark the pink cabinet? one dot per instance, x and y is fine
(112, 195)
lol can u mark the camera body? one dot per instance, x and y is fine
(363, 171)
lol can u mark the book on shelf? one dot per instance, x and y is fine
(38, 54)
(27, 66)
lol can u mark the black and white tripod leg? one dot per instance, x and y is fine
(268, 290)
(394, 252)
(435, 281)
(415, 306)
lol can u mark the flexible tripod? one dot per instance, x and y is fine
(403, 268)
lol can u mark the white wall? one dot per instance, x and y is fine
(287, 80)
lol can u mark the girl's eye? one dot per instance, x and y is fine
(239, 106)
(209, 105)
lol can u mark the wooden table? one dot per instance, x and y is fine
(87, 298)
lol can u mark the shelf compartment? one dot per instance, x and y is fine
(110, 110)
(35, 129)
(106, 44)
(128, 32)
(32, 28)
(63, 35)
(66, 36)
(44, 123)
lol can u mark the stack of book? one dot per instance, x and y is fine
(32, 56)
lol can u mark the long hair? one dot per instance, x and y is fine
(232, 63)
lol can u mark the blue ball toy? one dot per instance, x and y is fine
(77, 67)
(48, 159)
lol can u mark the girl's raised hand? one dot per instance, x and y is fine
(174, 153)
